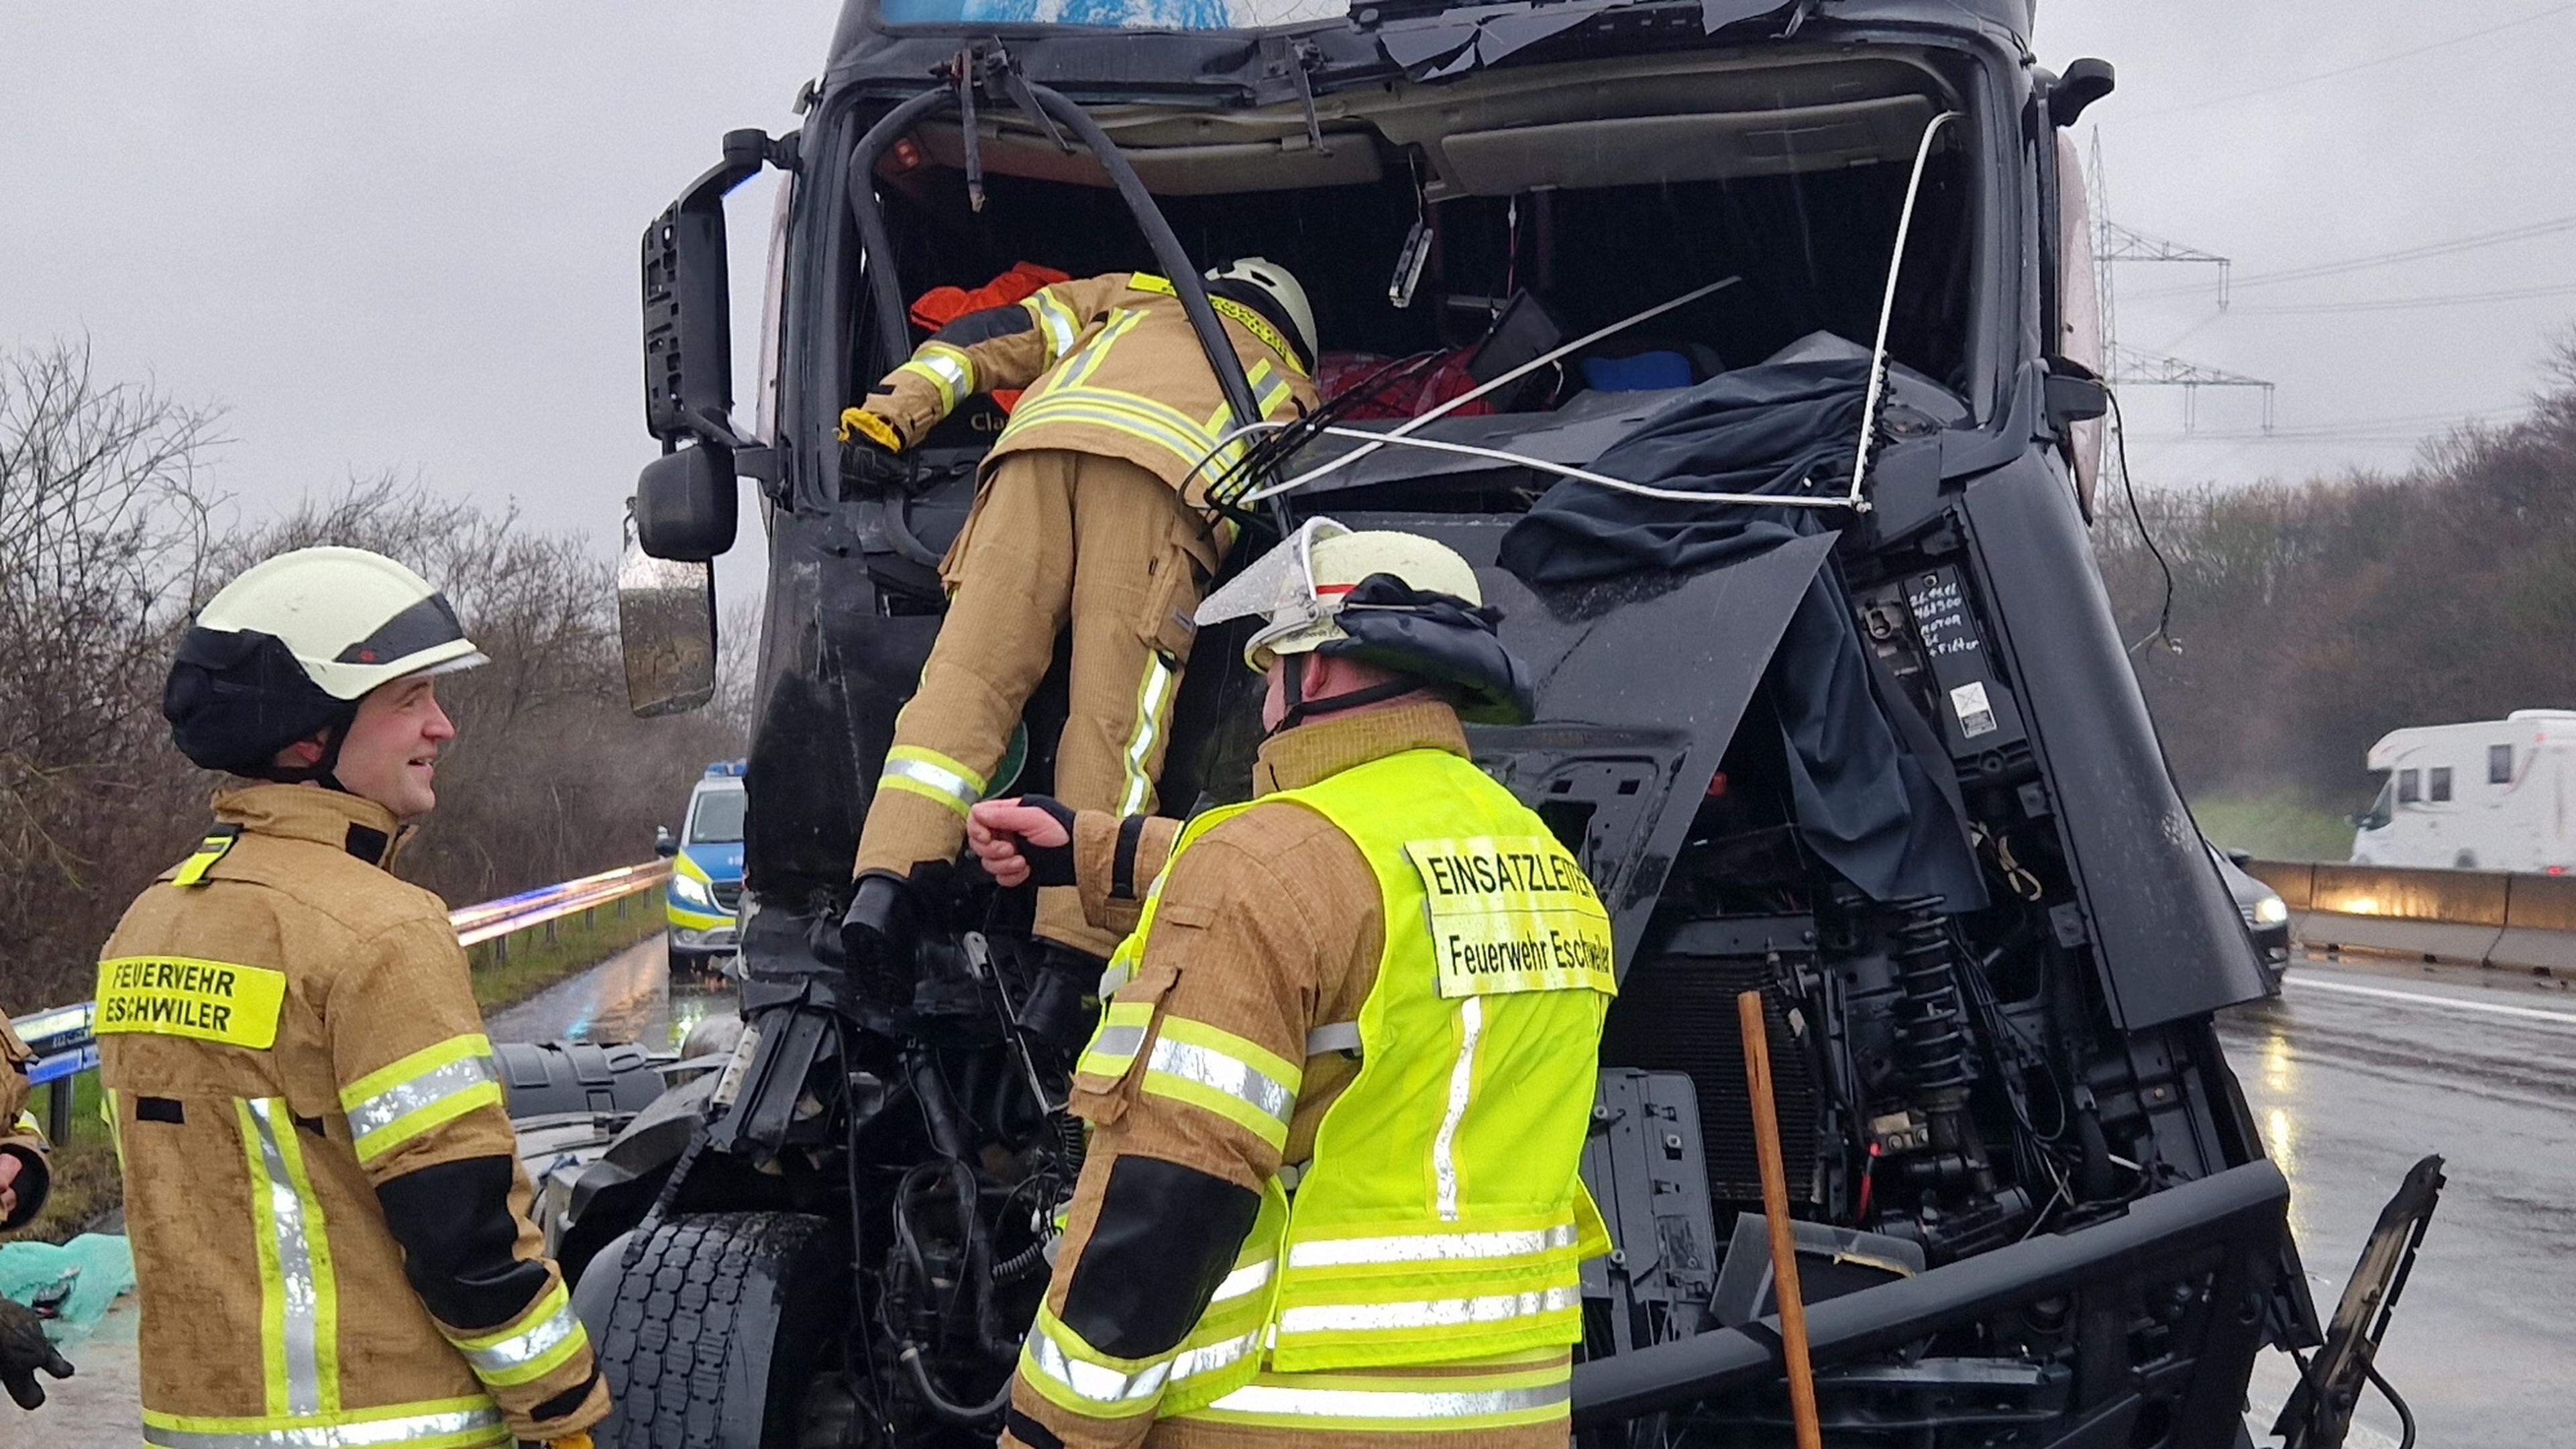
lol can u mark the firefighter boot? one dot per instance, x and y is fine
(879, 932)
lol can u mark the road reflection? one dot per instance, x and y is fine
(633, 996)
(2353, 1074)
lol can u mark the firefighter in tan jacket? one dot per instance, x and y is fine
(1339, 1101)
(330, 1224)
(23, 1174)
(1097, 509)
(23, 1180)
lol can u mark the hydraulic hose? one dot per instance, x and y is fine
(971, 1415)
(886, 289)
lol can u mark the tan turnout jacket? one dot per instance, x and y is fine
(1111, 367)
(20, 1138)
(329, 1220)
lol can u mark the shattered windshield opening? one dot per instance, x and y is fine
(1114, 14)
(1446, 233)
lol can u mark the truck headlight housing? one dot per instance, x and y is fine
(690, 891)
(2271, 910)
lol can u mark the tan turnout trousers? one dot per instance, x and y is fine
(1054, 538)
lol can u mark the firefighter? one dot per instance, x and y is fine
(23, 1180)
(1339, 1101)
(1097, 509)
(329, 1220)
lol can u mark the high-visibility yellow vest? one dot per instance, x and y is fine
(1442, 1217)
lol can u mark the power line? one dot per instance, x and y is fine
(2381, 429)
(2451, 247)
(2407, 304)
(2389, 59)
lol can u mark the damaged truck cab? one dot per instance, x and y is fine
(1837, 714)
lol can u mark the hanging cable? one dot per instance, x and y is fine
(2128, 485)
(2405, 1415)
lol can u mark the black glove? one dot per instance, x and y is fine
(23, 1350)
(1049, 865)
(868, 466)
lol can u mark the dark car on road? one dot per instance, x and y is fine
(2267, 917)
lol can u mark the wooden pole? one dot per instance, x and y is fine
(1775, 1212)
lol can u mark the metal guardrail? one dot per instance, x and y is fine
(2497, 918)
(65, 1047)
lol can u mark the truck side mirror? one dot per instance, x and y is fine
(688, 506)
(2086, 81)
(2073, 394)
(666, 627)
(664, 842)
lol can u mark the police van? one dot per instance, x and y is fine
(706, 867)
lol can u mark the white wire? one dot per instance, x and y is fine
(1379, 440)
(1887, 303)
(1622, 485)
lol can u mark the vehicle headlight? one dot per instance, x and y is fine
(689, 890)
(2271, 911)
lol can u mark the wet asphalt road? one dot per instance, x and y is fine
(2363, 1067)
(633, 996)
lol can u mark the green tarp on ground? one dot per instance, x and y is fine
(75, 1283)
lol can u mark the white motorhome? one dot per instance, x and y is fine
(2484, 795)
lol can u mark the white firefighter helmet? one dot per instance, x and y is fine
(1399, 600)
(290, 647)
(1282, 287)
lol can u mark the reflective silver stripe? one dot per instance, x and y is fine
(1462, 1080)
(1243, 1280)
(1209, 1357)
(527, 1346)
(1430, 1247)
(1428, 1312)
(1099, 1383)
(1057, 321)
(1392, 1403)
(1340, 1036)
(950, 365)
(1120, 1042)
(945, 781)
(1149, 708)
(1218, 1072)
(428, 1089)
(337, 1436)
(290, 1228)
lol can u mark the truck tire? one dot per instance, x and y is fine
(713, 1336)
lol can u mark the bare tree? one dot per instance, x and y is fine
(105, 523)
(2320, 615)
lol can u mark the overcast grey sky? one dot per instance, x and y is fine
(405, 236)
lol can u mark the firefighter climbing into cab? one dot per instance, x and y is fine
(1098, 511)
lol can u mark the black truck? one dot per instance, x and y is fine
(1838, 714)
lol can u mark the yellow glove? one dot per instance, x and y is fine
(860, 423)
